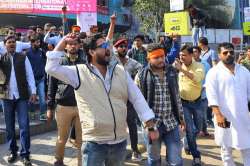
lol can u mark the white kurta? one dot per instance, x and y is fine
(231, 93)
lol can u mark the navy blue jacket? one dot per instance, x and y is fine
(37, 60)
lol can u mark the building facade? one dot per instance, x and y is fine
(105, 8)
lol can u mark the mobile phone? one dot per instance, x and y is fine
(227, 123)
(242, 54)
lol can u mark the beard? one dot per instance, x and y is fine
(122, 54)
(229, 60)
(158, 66)
(36, 48)
(104, 61)
(73, 51)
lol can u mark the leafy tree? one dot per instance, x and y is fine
(151, 13)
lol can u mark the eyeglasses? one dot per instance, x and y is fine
(104, 45)
(122, 46)
(226, 52)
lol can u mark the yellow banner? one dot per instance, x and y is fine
(246, 28)
(177, 23)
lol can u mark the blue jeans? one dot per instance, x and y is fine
(192, 117)
(94, 154)
(1, 105)
(21, 107)
(204, 106)
(40, 87)
(173, 145)
(197, 33)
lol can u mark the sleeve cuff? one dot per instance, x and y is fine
(213, 103)
(55, 54)
(33, 91)
(148, 115)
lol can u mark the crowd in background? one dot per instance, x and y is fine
(170, 92)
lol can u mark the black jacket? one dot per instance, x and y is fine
(171, 76)
(59, 92)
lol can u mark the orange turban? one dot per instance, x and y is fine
(156, 53)
(76, 28)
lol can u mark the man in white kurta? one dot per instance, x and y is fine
(228, 93)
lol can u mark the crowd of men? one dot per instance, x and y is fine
(98, 86)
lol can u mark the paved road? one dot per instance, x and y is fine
(43, 146)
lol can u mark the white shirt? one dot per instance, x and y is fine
(68, 74)
(20, 46)
(13, 89)
(231, 93)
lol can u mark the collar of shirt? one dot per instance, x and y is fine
(127, 63)
(190, 66)
(223, 67)
(106, 80)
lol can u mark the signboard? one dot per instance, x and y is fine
(247, 14)
(85, 20)
(236, 36)
(246, 28)
(46, 6)
(210, 35)
(177, 23)
(222, 35)
(176, 5)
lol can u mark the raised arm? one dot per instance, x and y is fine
(111, 27)
(67, 74)
(24, 45)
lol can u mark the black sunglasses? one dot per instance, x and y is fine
(122, 46)
(226, 52)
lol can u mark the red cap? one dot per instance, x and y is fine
(120, 41)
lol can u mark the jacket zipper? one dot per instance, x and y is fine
(108, 98)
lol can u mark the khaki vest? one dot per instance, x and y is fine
(102, 114)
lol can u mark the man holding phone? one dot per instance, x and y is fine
(191, 75)
(228, 93)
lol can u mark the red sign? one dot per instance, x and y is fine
(236, 40)
(46, 6)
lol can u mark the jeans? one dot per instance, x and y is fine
(1, 105)
(21, 107)
(132, 126)
(192, 117)
(209, 115)
(40, 86)
(94, 154)
(204, 105)
(173, 145)
(198, 32)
